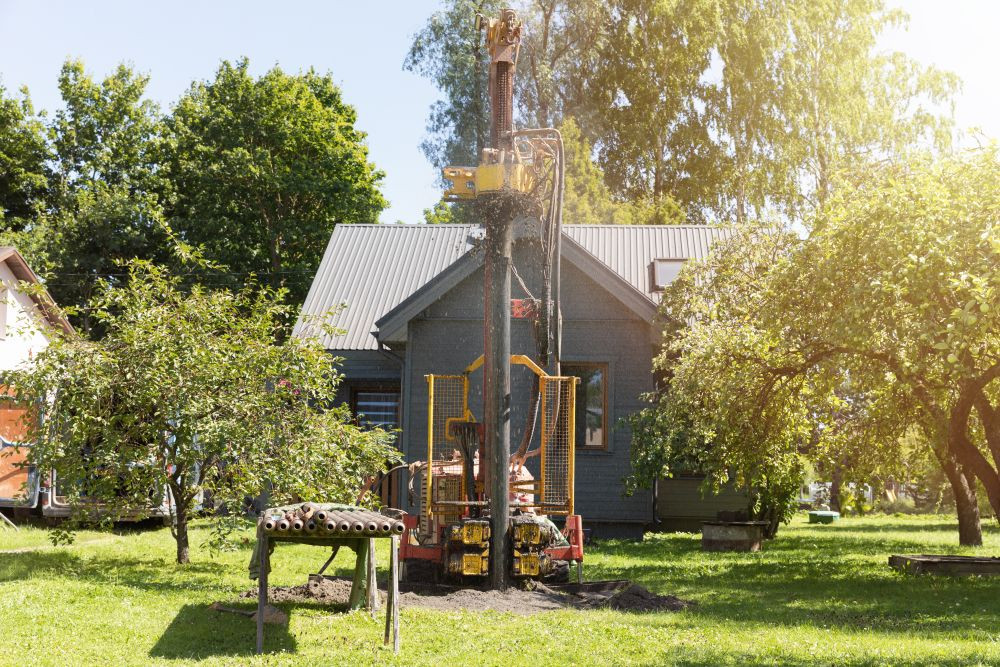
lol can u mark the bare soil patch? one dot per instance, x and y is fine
(618, 595)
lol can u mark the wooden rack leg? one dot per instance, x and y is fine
(262, 563)
(372, 583)
(358, 598)
(392, 604)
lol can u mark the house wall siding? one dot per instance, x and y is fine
(23, 331)
(596, 327)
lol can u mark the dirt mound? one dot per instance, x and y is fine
(329, 590)
(618, 595)
(449, 598)
(637, 598)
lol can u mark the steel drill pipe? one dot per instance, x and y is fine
(311, 526)
(371, 522)
(341, 522)
(271, 522)
(306, 511)
(336, 523)
(321, 515)
(357, 522)
(283, 525)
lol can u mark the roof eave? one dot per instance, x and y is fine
(50, 311)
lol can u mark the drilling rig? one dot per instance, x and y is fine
(482, 515)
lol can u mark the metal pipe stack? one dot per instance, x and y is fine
(315, 521)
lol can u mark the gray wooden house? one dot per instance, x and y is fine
(411, 304)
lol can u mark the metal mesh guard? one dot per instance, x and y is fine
(558, 414)
(447, 400)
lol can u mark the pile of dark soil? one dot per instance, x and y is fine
(618, 595)
(328, 590)
(636, 598)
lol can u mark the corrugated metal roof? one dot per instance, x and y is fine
(629, 249)
(373, 268)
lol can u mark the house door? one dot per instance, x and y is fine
(379, 407)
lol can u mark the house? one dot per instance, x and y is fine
(410, 301)
(28, 318)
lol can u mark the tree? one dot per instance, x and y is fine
(449, 52)
(442, 213)
(743, 108)
(705, 418)
(188, 393)
(99, 204)
(559, 50)
(843, 101)
(261, 170)
(557, 46)
(653, 137)
(882, 321)
(587, 198)
(24, 156)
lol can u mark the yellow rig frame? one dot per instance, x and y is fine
(554, 489)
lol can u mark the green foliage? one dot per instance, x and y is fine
(24, 155)
(93, 198)
(653, 136)
(837, 346)
(588, 200)
(743, 107)
(698, 109)
(188, 393)
(257, 171)
(261, 170)
(818, 595)
(705, 418)
(447, 51)
(442, 213)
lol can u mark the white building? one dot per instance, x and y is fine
(28, 318)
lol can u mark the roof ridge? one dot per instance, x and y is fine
(582, 225)
(404, 225)
(609, 225)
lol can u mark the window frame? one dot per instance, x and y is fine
(655, 286)
(605, 368)
(382, 388)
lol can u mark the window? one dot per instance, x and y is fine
(377, 408)
(664, 272)
(591, 404)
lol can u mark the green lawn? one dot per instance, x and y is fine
(817, 595)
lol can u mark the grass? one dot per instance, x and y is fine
(29, 537)
(817, 595)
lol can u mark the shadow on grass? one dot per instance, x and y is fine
(198, 632)
(146, 574)
(811, 578)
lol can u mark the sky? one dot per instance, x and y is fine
(363, 44)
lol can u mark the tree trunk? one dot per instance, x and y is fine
(181, 533)
(973, 463)
(970, 531)
(835, 489)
